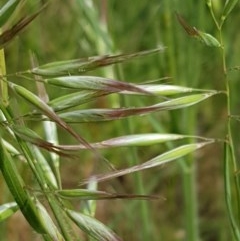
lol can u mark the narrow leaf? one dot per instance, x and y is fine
(92, 227)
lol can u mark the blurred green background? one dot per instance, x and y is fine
(77, 28)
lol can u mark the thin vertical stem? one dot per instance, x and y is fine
(189, 184)
(188, 164)
(3, 81)
(4, 101)
(230, 153)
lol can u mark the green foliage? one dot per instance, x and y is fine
(114, 119)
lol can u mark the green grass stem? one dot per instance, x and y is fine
(232, 188)
(3, 80)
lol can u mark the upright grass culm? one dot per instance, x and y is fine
(186, 72)
(231, 166)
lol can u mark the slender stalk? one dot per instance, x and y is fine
(189, 77)
(4, 101)
(189, 184)
(3, 81)
(228, 190)
(230, 154)
(189, 188)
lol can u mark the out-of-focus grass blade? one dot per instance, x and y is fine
(9, 34)
(86, 194)
(7, 210)
(235, 117)
(234, 68)
(7, 10)
(83, 65)
(95, 115)
(156, 161)
(92, 227)
(93, 83)
(228, 172)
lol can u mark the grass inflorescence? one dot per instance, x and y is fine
(120, 113)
